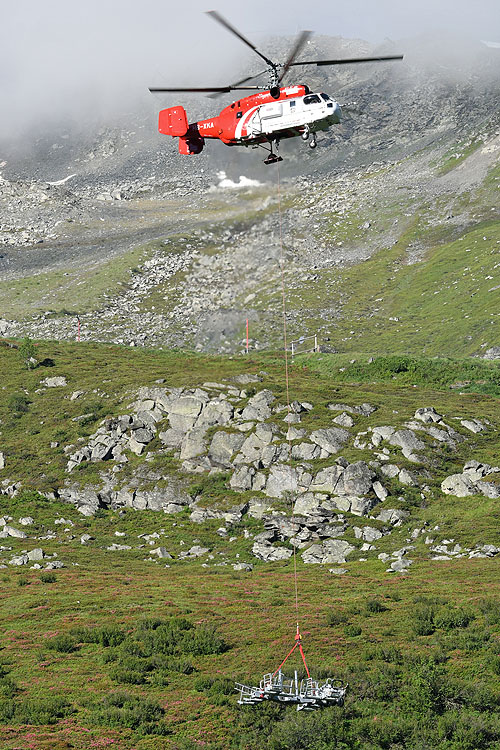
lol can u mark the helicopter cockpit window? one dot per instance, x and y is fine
(312, 99)
(325, 97)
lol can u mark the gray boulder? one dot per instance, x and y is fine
(135, 446)
(394, 516)
(215, 413)
(193, 444)
(36, 554)
(473, 425)
(358, 478)
(143, 435)
(344, 420)
(242, 478)
(286, 480)
(428, 414)
(306, 504)
(224, 445)
(13, 532)
(390, 470)
(268, 553)
(330, 551)
(364, 410)
(258, 407)
(55, 382)
(183, 412)
(329, 480)
(331, 439)
(408, 442)
(172, 438)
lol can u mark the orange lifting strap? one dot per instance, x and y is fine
(298, 643)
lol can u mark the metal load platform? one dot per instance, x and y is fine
(309, 695)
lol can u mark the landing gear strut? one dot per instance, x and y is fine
(312, 142)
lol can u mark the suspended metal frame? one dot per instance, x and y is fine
(308, 695)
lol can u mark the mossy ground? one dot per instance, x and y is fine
(411, 684)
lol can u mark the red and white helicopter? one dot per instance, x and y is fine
(261, 119)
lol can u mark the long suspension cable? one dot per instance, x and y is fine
(285, 343)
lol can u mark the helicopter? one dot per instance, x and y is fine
(265, 118)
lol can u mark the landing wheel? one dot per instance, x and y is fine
(313, 143)
(305, 134)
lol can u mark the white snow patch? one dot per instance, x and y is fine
(61, 182)
(226, 182)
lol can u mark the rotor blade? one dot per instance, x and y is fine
(299, 43)
(208, 89)
(220, 19)
(349, 60)
(238, 83)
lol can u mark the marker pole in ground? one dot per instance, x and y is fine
(247, 335)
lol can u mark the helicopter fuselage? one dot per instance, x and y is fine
(265, 117)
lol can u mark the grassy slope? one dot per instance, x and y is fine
(394, 673)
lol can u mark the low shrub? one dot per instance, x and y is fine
(203, 641)
(351, 631)
(40, 711)
(119, 709)
(63, 643)
(18, 404)
(8, 687)
(127, 676)
(375, 605)
(334, 618)
(48, 577)
(453, 618)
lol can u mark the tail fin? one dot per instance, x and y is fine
(173, 121)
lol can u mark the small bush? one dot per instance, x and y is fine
(374, 605)
(48, 577)
(159, 678)
(22, 581)
(109, 635)
(351, 631)
(8, 688)
(40, 711)
(453, 618)
(127, 676)
(27, 353)
(125, 710)
(18, 404)
(204, 640)
(63, 643)
(423, 620)
(334, 618)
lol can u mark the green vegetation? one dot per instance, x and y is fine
(144, 655)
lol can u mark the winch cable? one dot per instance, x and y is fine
(287, 384)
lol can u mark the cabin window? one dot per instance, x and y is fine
(239, 115)
(325, 97)
(312, 99)
(292, 104)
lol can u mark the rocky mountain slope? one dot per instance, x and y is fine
(116, 223)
